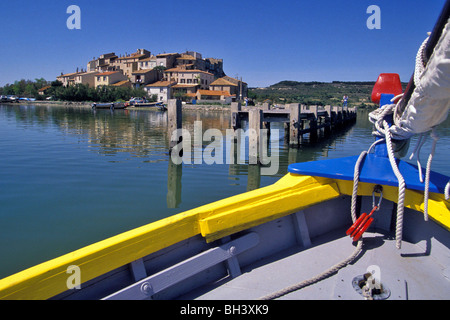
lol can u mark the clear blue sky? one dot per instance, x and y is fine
(262, 41)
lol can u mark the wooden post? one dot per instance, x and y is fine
(254, 126)
(328, 120)
(339, 118)
(313, 123)
(174, 174)
(294, 124)
(235, 119)
(286, 131)
(266, 106)
(314, 110)
(174, 122)
(253, 178)
(328, 111)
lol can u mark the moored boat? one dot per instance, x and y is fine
(9, 99)
(143, 104)
(112, 106)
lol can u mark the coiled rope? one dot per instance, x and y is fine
(343, 263)
(317, 278)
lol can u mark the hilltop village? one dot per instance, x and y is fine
(187, 76)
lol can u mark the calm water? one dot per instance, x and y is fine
(71, 176)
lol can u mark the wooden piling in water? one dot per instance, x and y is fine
(235, 118)
(294, 124)
(255, 117)
(266, 124)
(298, 119)
(174, 116)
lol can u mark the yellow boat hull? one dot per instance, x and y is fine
(214, 221)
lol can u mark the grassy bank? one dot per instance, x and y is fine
(316, 93)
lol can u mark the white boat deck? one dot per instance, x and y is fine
(409, 273)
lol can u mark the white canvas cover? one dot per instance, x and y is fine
(429, 104)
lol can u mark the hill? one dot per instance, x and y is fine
(316, 93)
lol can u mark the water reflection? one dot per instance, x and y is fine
(72, 176)
(174, 174)
(142, 134)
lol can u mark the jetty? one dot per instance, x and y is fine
(298, 119)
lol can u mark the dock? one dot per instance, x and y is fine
(298, 119)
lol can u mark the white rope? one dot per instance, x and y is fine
(355, 184)
(377, 117)
(401, 187)
(396, 116)
(420, 143)
(427, 175)
(343, 263)
(420, 65)
(317, 278)
(447, 191)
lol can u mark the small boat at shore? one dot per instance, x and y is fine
(158, 105)
(8, 99)
(142, 104)
(369, 226)
(112, 106)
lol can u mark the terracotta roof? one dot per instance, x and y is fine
(179, 86)
(68, 74)
(142, 71)
(133, 56)
(166, 54)
(186, 57)
(223, 82)
(184, 70)
(148, 59)
(162, 84)
(120, 83)
(107, 73)
(90, 72)
(213, 93)
(44, 88)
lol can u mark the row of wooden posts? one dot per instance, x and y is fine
(298, 119)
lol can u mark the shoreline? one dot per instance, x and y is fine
(206, 107)
(194, 107)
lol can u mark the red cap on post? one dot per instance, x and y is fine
(386, 83)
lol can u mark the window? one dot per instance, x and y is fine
(195, 80)
(189, 80)
(183, 81)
